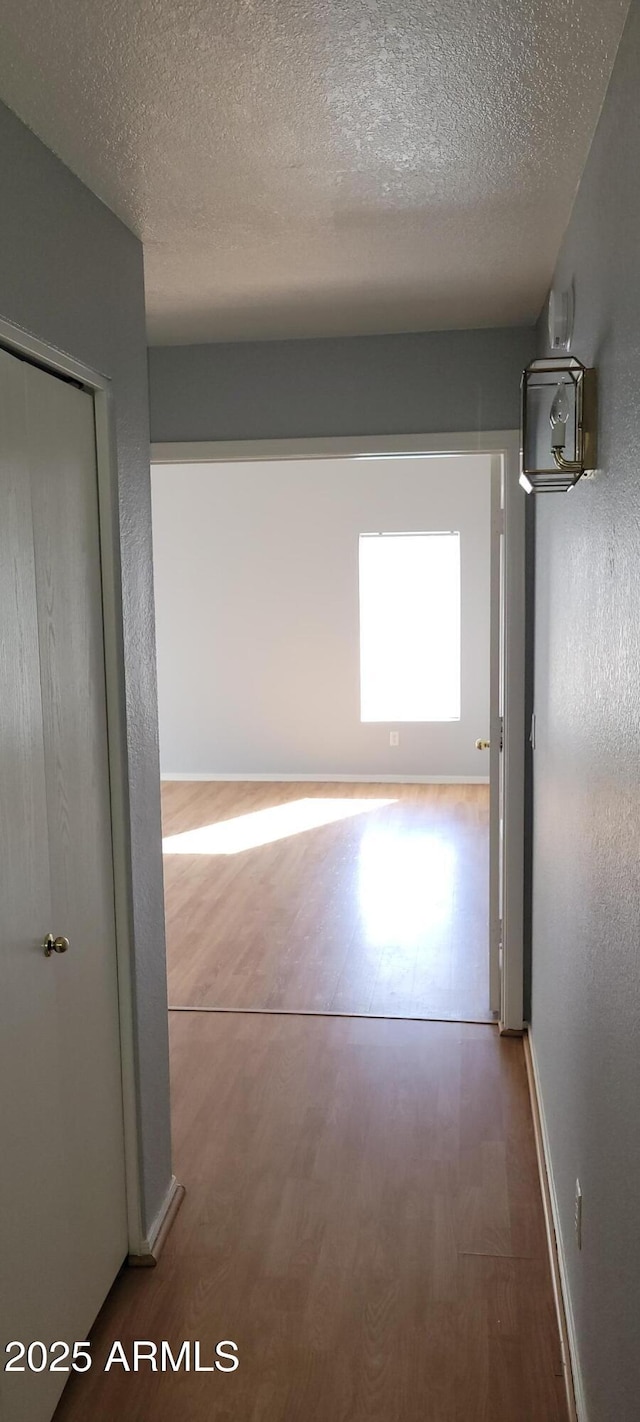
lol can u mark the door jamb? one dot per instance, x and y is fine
(22, 344)
(495, 735)
(513, 512)
(505, 445)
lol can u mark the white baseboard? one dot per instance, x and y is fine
(277, 777)
(575, 1387)
(148, 1254)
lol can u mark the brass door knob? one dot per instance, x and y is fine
(483, 745)
(54, 945)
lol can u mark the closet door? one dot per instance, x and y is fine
(29, 1093)
(64, 1177)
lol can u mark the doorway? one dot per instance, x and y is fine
(239, 917)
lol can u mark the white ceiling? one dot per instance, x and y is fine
(321, 167)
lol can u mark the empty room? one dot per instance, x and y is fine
(319, 610)
(323, 632)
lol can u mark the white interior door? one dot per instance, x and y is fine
(506, 754)
(63, 1205)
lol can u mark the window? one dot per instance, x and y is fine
(410, 627)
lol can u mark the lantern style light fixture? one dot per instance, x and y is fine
(558, 437)
(558, 443)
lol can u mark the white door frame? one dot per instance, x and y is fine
(21, 343)
(496, 737)
(504, 445)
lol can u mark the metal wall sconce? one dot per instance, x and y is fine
(558, 431)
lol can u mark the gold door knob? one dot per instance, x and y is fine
(483, 745)
(54, 945)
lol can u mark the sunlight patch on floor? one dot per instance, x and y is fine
(267, 826)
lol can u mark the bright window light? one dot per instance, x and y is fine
(410, 627)
(266, 826)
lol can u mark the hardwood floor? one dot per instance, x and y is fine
(363, 1218)
(382, 909)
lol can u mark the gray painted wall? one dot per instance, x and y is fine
(414, 384)
(71, 274)
(586, 862)
(256, 569)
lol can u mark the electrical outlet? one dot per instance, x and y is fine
(394, 738)
(577, 1215)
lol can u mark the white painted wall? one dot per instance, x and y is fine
(256, 572)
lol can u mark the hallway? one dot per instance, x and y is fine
(363, 1218)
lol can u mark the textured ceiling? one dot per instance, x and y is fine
(318, 167)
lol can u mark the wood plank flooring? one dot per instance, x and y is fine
(384, 910)
(363, 1218)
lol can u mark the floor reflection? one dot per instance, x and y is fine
(328, 898)
(405, 886)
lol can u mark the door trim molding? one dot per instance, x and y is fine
(339, 447)
(23, 344)
(274, 777)
(513, 505)
(505, 445)
(495, 733)
(147, 1257)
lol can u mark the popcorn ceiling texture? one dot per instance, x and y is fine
(323, 167)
